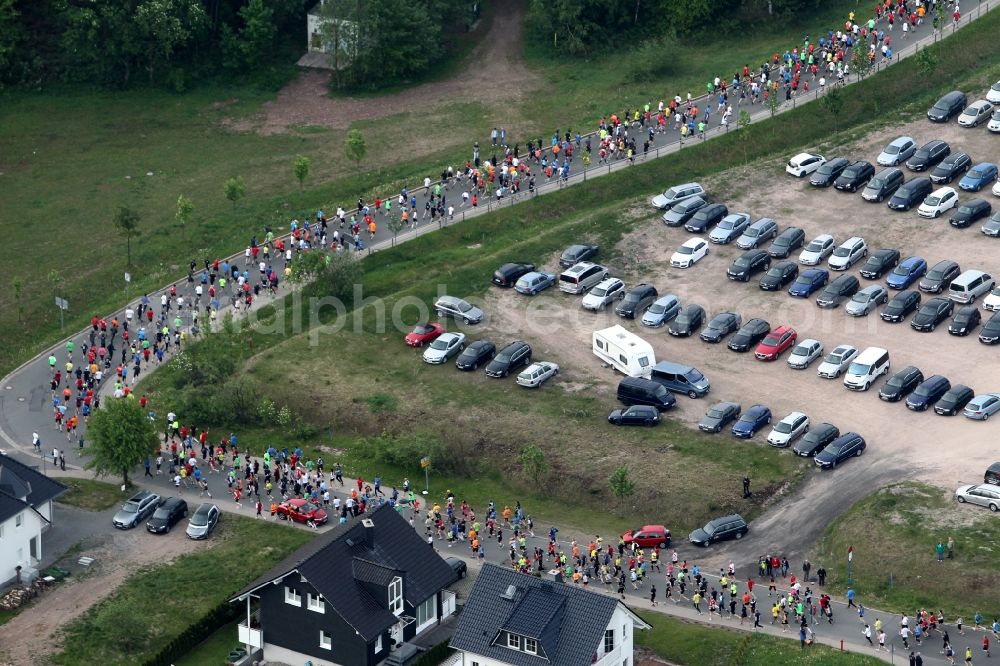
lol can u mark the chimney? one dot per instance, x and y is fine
(369, 532)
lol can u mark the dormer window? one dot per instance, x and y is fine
(514, 641)
(396, 596)
(521, 643)
(530, 645)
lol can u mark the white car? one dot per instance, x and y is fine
(994, 124)
(996, 188)
(817, 250)
(848, 253)
(690, 253)
(992, 302)
(535, 374)
(603, 294)
(788, 429)
(837, 361)
(975, 113)
(994, 94)
(940, 200)
(444, 347)
(984, 494)
(804, 353)
(804, 164)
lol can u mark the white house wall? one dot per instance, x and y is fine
(15, 546)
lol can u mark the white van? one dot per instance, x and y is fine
(581, 277)
(866, 368)
(624, 351)
(970, 285)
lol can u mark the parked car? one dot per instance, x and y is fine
(965, 321)
(203, 521)
(817, 250)
(706, 218)
(932, 313)
(477, 353)
(848, 253)
(910, 193)
(994, 93)
(879, 262)
(663, 310)
(719, 529)
(900, 307)
(906, 273)
(863, 302)
(970, 285)
(678, 214)
(749, 335)
(509, 358)
(969, 212)
(804, 164)
(843, 448)
(950, 167)
(458, 566)
(763, 229)
(677, 194)
(751, 421)
(996, 188)
(508, 274)
(939, 201)
(788, 429)
(979, 177)
(828, 172)
(534, 282)
(456, 308)
(749, 263)
(444, 348)
(604, 294)
(136, 509)
(636, 300)
(883, 184)
(804, 353)
(992, 226)
(687, 322)
(787, 241)
(837, 361)
(954, 401)
(897, 151)
(992, 302)
(574, 254)
(729, 228)
(989, 334)
(947, 107)
(982, 407)
(779, 276)
(981, 495)
(689, 253)
(775, 343)
(939, 276)
(815, 440)
(721, 325)
(928, 155)
(809, 282)
(977, 112)
(927, 393)
(994, 124)
(643, 415)
(838, 291)
(854, 176)
(298, 510)
(579, 278)
(718, 416)
(901, 384)
(169, 513)
(537, 374)
(648, 536)
(423, 334)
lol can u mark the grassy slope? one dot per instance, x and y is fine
(91, 495)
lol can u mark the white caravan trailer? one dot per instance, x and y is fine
(624, 351)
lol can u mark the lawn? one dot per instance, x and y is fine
(214, 650)
(91, 495)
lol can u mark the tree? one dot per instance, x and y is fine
(164, 26)
(183, 214)
(127, 223)
(18, 286)
(927, 62)
(235, 188)
(356, 147)
(861, 63)
(773, 103)
(301, 169)
(395, 226)
(622, 485)
(534, 464)
(743, 123)
(252, 44)
(121, 435)
(833, 103)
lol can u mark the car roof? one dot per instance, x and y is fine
(449, 336)
(837, 161)
(841, 349)
(727, 519)
(914, 259)
(853, 240)
(667, 298)
(944, 263)
(985, 165)
(758, 408)
(652, 527)
(814, 272)
(480, 343)
(684, 186)
(782, 329)
(807, 341)
(693, 242)
(823, 237)
(609, 281)
(205, 508)
(802, 156)
(885, 252)
(170, 502)
(980, 103)
(793, 416)
(900, 140)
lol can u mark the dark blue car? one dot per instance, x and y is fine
(927, 393)
(978, 177)
(751, 421)
(846, 446)
(808, 282)
(907, 272)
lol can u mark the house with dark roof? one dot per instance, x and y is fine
(515, 619)
(26, 498)
(352, 596)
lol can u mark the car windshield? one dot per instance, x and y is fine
(921, 154)
(771, 340)
(598, 291)
(656, 308)
(130, 508)
(842, 252)
(709, 529)
(932, 200)
(825, 170)
(685, 206)
(815, 246)
(800, 351)
(971, 111)
(420, 329)
(961, 318)
(857, 369)
(850, 173)
(162, 512)
(741, 262)
(752, 232)
(804, 279)
(716, 413)
(975, 173)
(776, 271)
(200, 519)
(965, 209)
(895, 382)
(996, 115)
(463, 306)
(683, 320)
(440, 343)
(875, 183)
(783, 427)
(835, 357)
(833, 448)
(782, 240)
(727, 225)
(632, 298)
(923, 390)
(935, 274)
(684, 249)
(902, 269)
(503, 358)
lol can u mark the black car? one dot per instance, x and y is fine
(965, 321)
(747, 264)
(749, 335)
(954, 401)
(928, 155)
(992, 226)
(901, 384)
(788, 240)
(911, 193)
(939, 276)
(719, 529)
(168, 514)
(815, 440)
(719, 416)
(829, 172)
(508, 274)
(706, 217)
(879, 262)
(636, 301)
(883, 184)
(966, 213)
(643, 415)
(838, 291)
(990, 333)
(458, 565)
(932, 313)
(574, 254)
(687, 321)
(721, 325)
(475, 354)
(928, 392)
(846, 446)
(779, 275)
(951, 167)
(947, 107)
(856, 175)
(901, 306)
(509, 358)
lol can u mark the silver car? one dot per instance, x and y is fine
(804, 353)
(982, 406)
(863, 302)
(204, 520)
(763, 229)
(139, 507)
(456, 308)
(837, 361)
(604, 294)
(983, 494)
(535, 374)
(444, 347)
(677, 194)
(729, 228)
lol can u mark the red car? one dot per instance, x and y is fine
(648, 536)
(423, 334)
(776, 342)
(301, 511)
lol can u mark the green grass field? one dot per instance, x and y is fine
(91, 495)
